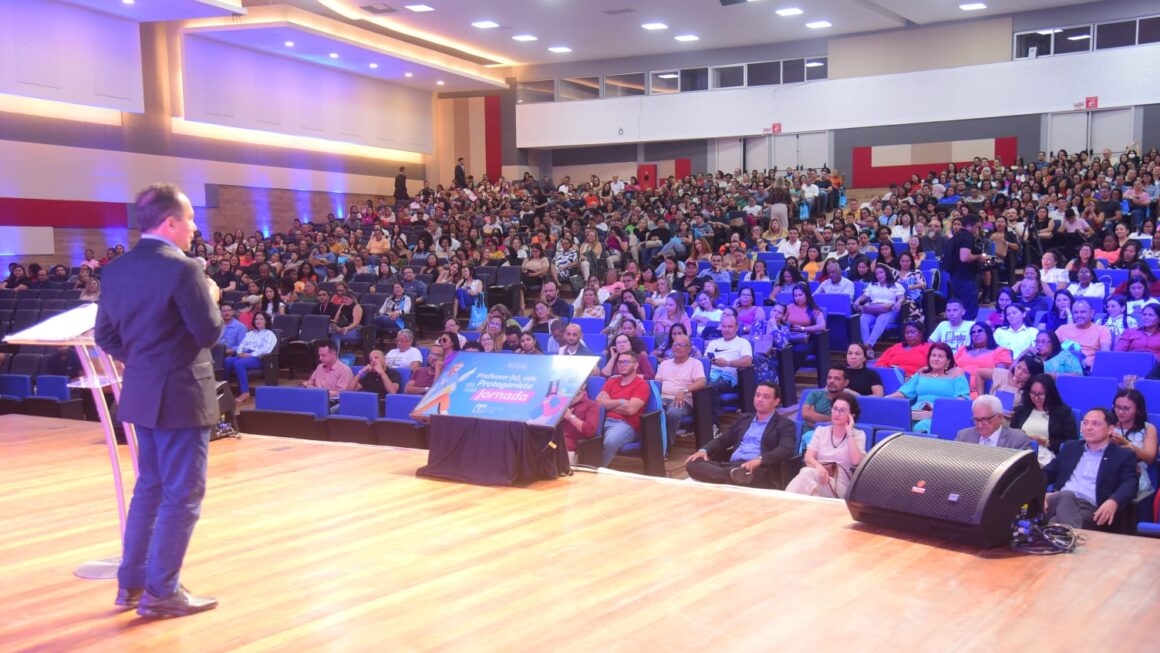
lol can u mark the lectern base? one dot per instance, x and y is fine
(102, 569)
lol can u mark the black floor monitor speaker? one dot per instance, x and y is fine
(967, 493)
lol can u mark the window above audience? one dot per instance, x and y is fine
(1066, 39)
(579, 88)
(536, 91)
(626, 85)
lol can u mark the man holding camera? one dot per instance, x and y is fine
(962, 260)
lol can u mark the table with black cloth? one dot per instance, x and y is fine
(492, 452)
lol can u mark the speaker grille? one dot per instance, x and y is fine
(932, 478)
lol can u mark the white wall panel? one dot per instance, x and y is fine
(301, 99)
(1030, 86)
(729, 153)
(1068, 131)
(1111, 129)
(69, 54)
(813, 149)
(785, 151)
(757, 153)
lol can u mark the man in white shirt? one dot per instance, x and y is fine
(835, 283)
(791, 246)
(728, 353)
(616, 185)
(953, 330)
(404, 355)
(680, 376)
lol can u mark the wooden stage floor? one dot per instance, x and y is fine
(325, 547)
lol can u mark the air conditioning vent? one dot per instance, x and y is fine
(619, 12)
(378, 9)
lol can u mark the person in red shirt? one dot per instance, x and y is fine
(623, 398)
(581, 419)
(910, 354)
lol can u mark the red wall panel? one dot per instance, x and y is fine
(682, 168)
(493, 136)
(865, 175)
(20, 212)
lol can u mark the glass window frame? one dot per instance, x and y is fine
(604, 85)
(713, 76)
(555, 90)
(562, 80)
(664, 71)
(776, 63)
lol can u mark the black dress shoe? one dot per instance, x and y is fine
(178, 604)
(128, 598)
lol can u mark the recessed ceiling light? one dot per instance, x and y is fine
(374, 65)
(654, 26)
(1048, 32)
(333, 55)
(127, 2)
(408, 74)
(815, 64)
(419, 8)
(485, 24)
(684, 38)
(668, 76)
(524, 38)
(789, 11)
(289, 44)
(1079, 37)
(439, 82)
(973, 6)
(819, 24)
(560, 49)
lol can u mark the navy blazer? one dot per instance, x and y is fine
(156, 315)
(1117, 478)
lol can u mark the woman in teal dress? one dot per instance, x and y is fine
(1056, 360)
(940, 379)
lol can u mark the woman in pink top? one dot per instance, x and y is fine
(1147, 336)
(982, 357)
(748, 312)
(671, 312)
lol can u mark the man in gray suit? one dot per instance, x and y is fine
(987, 413)
(158, 315)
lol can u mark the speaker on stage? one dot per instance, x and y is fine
(967, 493)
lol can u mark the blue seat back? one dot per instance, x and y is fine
(595, 383)
(315, 401)
(891, 379)
(358, 404)
(596, 342)
(1085, 392)
(50, 385)
(15, 385)
(835, 303)
(589, 324)
(881, 411)
(763, 288)
(1151, 391)
(1007, 399)
(399, 407)
(404, 376)
(542, 340)
(1118, 364)
(950, 416)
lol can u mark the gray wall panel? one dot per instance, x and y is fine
(579, 156)
(697, 151)
(1150, 137)
(1024, 128)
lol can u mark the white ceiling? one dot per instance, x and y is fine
(591, 33)
(145, 11)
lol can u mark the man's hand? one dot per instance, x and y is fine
(215, 293)
(751, 465)
(699, 454)
(1106, 512)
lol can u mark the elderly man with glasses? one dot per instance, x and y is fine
(989, 430)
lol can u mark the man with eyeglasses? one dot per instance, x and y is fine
(679, 376)
(622, 398)
(1093, 478)
(989, 430)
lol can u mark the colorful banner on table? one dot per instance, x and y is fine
(509, 387)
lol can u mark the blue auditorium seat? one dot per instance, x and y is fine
(358, 404)
(949, 416)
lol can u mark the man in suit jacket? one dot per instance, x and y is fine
(158, 315)
(759, 442)
(401, 194)
(460, 174)
(989, 430)
(1093, 477)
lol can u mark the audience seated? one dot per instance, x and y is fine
(727, 354)
(989, 429)
(331, 375)
(680, 376)
(1090, 337)
(953, 331)
(248, 355)
(1043, 416)
(1132, 432)
(378, 378)
(581, 421)
(751, 450)
(939, 379)
(622, 398)
(833, 453)
(1092, 477)
(911, 354)
(863, 380)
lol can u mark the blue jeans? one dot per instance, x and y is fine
(967, 292)
(352, 337)
(240, 368)
(873, 326)
(617, 433)
(166, 504)
(674, 413)
(385, 323)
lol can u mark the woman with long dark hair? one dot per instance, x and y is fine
(1043, 416)
(1134, 433)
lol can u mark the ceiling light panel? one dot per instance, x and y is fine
(485, 24)
(973, 6)
(685, 38)
(789, 11)
(524, 38)
(419, 9)
(819, 24)
(560, 49)
(652, 27)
